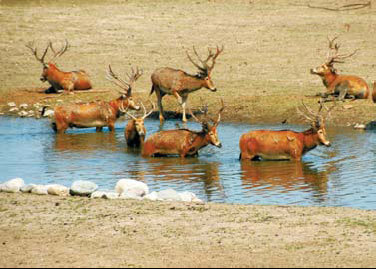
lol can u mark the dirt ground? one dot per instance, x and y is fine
(263, 75)
(41, 231)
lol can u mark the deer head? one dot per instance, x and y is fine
(332, 57)
(317, 121)
(126, 87)
(210, 130)
(139, 121)
(205, 69)
(49, 64)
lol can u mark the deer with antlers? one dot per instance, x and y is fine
(99, 113)
(342, 86)
(59, 80)
(184, 142)
(135, 130)
(285, 144)
(178, 83)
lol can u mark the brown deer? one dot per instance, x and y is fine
(178, 83)
(342, 86)
(135, 130)
(183, 142)
(285, 144)
(99, 113)
(59, 80)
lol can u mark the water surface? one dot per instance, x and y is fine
(343, 175)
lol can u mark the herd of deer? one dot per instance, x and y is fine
(259, 144)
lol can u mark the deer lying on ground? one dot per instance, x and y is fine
(342, 86)
(59, 80)
(99, 113)
(135, 130)
(183, 142)
(178, 83)
(285, 144)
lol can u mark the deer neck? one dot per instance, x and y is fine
(310, 140)
(194, 83)
(53, 73)
(329, 78)
(115, 107)
(199, 140)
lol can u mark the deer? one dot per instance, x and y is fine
(342, 86)
(135, 130)
(166, 80)
(184, 142)
(98, 113)
(60, 80)
(285, 144)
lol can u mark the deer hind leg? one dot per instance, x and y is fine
(160, 106)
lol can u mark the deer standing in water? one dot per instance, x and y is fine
(99, 113)
(59, 80)
(183, 142)
(135, 130)
(179, 83)
(341, 86)
(285, 144)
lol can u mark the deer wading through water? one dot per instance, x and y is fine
(342, 86)
(285, 144)
(184, 142)
(99, 113)
(135, 130)
(175, 82)
(59, 80)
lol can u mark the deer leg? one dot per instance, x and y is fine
(342, 93)
(160, 107)
(184, 102)
(111, 126)
(176, 94)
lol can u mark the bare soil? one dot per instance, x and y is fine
(262, 75)
(47, 231)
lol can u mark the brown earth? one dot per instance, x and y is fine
(262, 75)
(48, 231)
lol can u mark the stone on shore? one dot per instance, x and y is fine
(40, 189)
(131, 188)
(27, 188)
(58, 190)
(83, 188)
(169, 195)
(13, 185)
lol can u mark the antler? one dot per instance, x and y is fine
(33, 49)
(219, 112)
(333, 56)
(151, 111)
(126, 86)
(60, 52)
(205, 68)
(204, 110)
(312, 116)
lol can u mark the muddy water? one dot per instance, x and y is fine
(343, 175)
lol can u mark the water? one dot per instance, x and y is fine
(343, 175)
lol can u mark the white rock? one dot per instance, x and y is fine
(111, 195)
(187, 196)
(153, 196)
(130, 195)
(169, 195)
(58, 190)
(83, 188)
(12, 104)
(40, 189)
(48, 113)
(131, 187)
(24, 106)
(22, 114)
(198, 201)
(360, 126)
(97, 194)
(13, 185)
(27, 188)
(36, 105)
(14, 109)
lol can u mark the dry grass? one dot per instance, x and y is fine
(262, 74)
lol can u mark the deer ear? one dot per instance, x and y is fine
(205, 127)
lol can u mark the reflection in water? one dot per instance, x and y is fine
(86, 142)
(289, 175)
